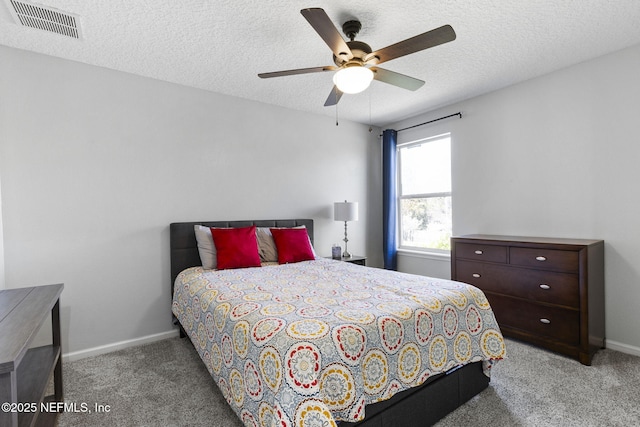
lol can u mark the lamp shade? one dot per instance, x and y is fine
(353, 79)
(345, 211)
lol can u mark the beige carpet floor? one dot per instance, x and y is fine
(166, 384)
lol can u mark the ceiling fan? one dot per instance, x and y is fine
(356, 63)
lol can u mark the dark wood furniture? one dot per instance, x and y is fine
(427, 403)
(353, 259)
(25, 372)
(546, 291)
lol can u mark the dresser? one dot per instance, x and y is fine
(26, 371)
(546, 291)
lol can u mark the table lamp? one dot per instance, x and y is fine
(345, 211)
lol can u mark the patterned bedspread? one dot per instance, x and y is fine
(314, 342)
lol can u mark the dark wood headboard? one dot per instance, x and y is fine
(184, 248)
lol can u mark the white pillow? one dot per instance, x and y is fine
(266, 245)
(206, 248)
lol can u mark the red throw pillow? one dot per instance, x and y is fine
(293, 245)
(236, 247)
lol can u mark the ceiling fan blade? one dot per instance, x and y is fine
(420, 42)
(396, 79)
(298, 71)
(334, 97)
(320, 22)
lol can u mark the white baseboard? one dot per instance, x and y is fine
(623, 348)
(95, 351)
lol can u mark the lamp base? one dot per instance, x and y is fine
(346, 254)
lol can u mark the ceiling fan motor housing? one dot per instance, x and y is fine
(358, 49)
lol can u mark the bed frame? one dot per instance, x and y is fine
(423, 405)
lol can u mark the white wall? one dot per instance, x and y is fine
(95, 164)
(554, 156)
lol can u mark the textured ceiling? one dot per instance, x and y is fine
(222, 45)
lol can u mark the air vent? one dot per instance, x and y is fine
(45, 18)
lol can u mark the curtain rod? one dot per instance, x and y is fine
(459, 114)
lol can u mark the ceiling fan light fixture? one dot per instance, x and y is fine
(353, 79)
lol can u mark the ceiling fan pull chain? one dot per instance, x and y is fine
(370, 127)
(336, 89)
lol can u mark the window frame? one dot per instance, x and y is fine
(400, 196)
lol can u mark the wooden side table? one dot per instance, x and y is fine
(353, 259)
(24, 371)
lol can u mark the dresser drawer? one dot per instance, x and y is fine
(546, 259)
(552, 322)
(488, 253)
(550, 287)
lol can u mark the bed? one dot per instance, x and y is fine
(323, 342)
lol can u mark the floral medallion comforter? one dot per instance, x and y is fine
(312, 343)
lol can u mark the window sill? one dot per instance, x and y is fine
(425, 255)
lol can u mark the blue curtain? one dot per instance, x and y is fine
(389, 198)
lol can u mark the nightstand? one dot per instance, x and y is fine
(353, 259)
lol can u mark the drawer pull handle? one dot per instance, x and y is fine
(541, 258)
(543, 286)
(478, 252)
(476, 275)
(545, 321)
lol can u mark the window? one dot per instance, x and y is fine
(424, 194)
